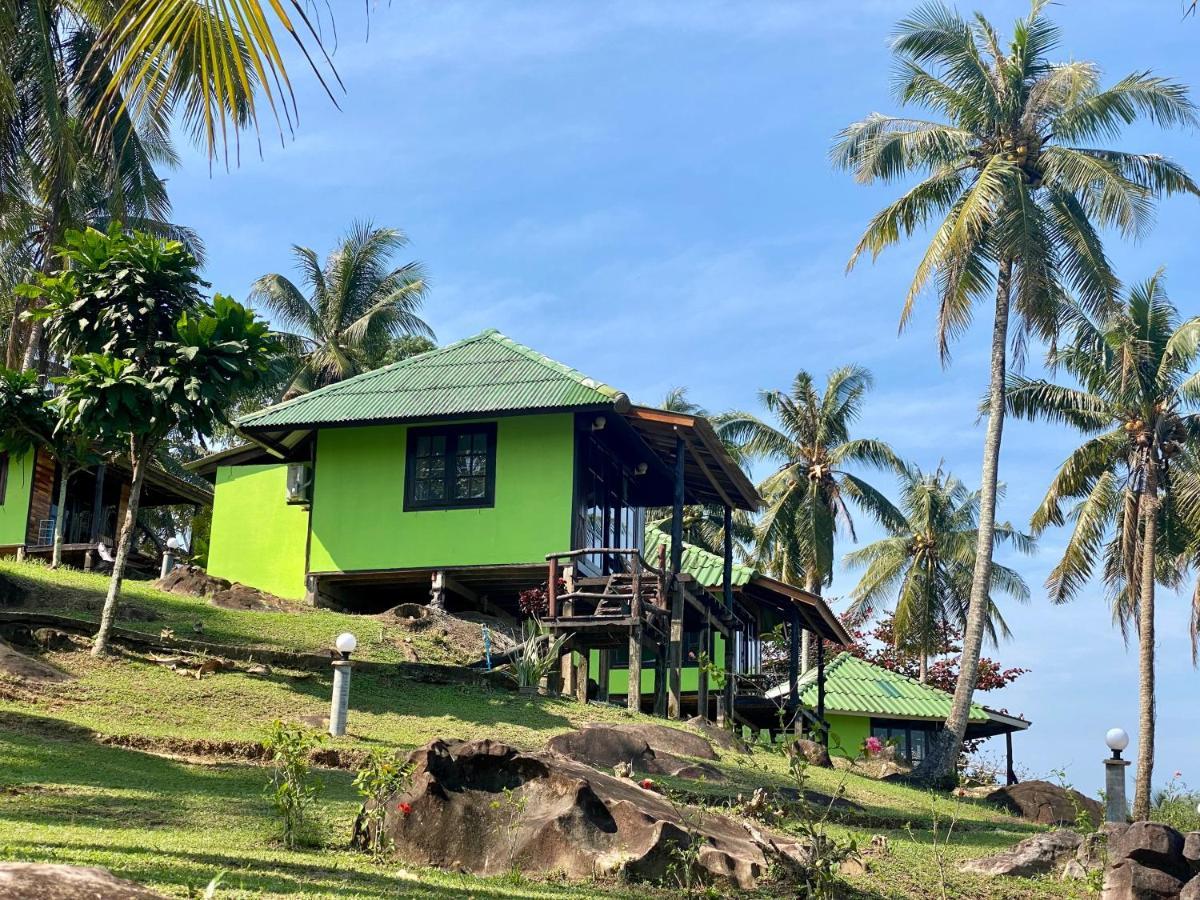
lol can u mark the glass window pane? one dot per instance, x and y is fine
(423, 446)
(479, 444)
(463, 443)
(438, 444)
(478, 487)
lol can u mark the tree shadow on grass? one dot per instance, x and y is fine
(280, 875)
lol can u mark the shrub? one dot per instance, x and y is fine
(293, 788)
(537, 654)
(381, 776)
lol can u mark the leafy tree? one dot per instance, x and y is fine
(810, 493)
(400, 348)
(1015, 199)
(1137, 385)
(923, 569)
(357, 304)
(28, 422)
(149, 356)
(881, 647)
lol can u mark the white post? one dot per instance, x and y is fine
(168, 563)
(341, 697)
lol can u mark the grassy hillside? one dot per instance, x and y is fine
(144, 770)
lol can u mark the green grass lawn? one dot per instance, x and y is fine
(136, 768)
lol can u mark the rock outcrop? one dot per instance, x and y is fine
(193, 581)
(1046, 803)
(46, 881)
(813, 753)
(484, 807)
(1150, 861)
(1037, 855)
(720, 737)
(647, 749)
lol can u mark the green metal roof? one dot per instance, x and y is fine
(707, 568)
(855, 686)
(488, 373)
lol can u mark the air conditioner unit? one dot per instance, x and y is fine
(299, 484)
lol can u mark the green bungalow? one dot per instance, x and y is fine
(467, 474)
(865, 700)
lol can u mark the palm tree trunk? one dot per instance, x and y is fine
(60, 518)
(939, 763)
(141, 458)
(923, 674)
(1145, 757)
(808, 649)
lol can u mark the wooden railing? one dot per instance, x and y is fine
(638, 571)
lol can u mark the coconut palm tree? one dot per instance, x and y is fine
(810, 493)
(1136, 393)
(923, 570)
(88, 93)
(1016, 199)
(357, 302)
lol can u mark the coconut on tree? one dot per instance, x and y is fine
(1014, 194)
(1130, 506)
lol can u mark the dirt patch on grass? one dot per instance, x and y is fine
(16, 664)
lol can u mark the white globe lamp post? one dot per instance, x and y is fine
(1116, 806)
(346, 643)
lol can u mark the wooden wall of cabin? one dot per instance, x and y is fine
(41, 496)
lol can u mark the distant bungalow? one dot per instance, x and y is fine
(865, 700)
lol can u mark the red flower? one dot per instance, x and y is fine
(647, 784)
(405, 808)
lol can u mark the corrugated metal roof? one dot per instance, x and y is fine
(853, 685)
(488, 373)
(707, 568)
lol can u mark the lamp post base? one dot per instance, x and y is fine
(1116, 806)
(341, 697)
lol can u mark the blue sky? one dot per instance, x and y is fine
(642, 190)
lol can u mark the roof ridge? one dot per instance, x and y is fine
(560, 368)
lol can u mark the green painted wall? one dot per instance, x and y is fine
(847, 733)
(14, 511)
(257, 538)
(359, 520)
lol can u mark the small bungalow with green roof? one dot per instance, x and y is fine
(863, 700)
(467, 474)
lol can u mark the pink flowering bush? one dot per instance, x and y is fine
(873, 746)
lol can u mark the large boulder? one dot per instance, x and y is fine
(1046, 803)
(484, 807)
(1191, 850)
(721, 737)
(47, 881)
(811, 752)
(1130, 880)
(1191, 890)
(1153, 845)
(647, 749)
(1037, 855)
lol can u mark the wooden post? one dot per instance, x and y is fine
(552, 588)
(660, 681)
(604, 672)
(702, 675)
(794, 670)
(821, 689)
(21, 553)
(633, 699)
(674, 673)
(581, 676)
(437, 590)
(97, 504)
(675, 655)
(727, 593)
(1010, 774)
(567, 661)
